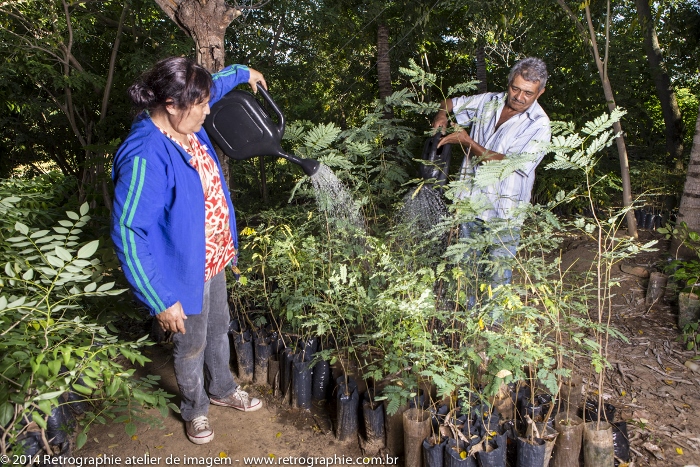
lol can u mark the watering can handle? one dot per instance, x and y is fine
(271, 103)
(432, 147)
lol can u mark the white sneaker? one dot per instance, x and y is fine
(199, 431)
(239, 400)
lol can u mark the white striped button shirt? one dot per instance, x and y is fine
(526, 132)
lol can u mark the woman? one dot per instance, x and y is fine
(174, 228)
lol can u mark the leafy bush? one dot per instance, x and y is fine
(58, 344)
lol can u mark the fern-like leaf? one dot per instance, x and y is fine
(321, 137)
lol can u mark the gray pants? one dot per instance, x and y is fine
(504, 247)
(202, 353)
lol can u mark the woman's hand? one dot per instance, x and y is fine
(172, 319)
(255, 78)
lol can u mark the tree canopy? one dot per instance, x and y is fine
(67, 65)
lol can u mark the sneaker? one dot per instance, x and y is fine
(199, 431)
(238, 400)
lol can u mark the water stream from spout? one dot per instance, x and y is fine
(334, 199)
(423, 210)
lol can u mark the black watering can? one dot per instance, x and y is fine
(436, 160)
(243, 128)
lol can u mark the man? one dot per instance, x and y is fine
(503, 125)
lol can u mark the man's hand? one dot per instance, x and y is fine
(440, 120)
(458, 137)
(255, 77)
(474, 149)
(172, 319)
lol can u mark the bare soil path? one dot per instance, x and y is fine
(649, 385)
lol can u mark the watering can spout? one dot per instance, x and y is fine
(309, 166)
(243, 128)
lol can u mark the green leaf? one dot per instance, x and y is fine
(55, 261)
(72, 215)
(45, 406)
(84, 208)
(113, 387)
(82, 389)
(88, 250)
(89, 382)
(39, 420)
(6, 413)
(130, 429)
(66, 355)
(63, 254)
(80, 440)
(121, 419)
(105, 287)
(90, 287)
(21, 228)
(54, 366)
(17, 303)
(39, 233)
(48, 395)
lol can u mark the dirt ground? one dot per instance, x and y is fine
(649, 386)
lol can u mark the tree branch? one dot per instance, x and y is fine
(577, 23)
(170, 8)
(252, 7)
(112, 62)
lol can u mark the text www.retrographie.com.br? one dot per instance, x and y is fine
(314, 461)
(147, 460)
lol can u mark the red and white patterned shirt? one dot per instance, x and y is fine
(219, 244)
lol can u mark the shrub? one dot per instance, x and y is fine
(58, 344)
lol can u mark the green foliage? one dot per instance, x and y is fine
(53, 290)
(690, 336)
(686, 237)
(685, 273)
(385, 299)
(64, 99)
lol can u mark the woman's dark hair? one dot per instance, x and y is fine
(176, 80)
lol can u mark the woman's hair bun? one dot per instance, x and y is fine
(141, 96)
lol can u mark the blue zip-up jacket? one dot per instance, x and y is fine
(158, 211)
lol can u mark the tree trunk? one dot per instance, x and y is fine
(664, 90)
(689, 210)
(384, 65)
(610, 98)
(205, 21)
(481, 75)
(589, 37)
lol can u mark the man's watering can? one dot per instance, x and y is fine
(436, 160)
(242, 128)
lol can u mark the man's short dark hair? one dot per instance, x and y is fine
(531, 69)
